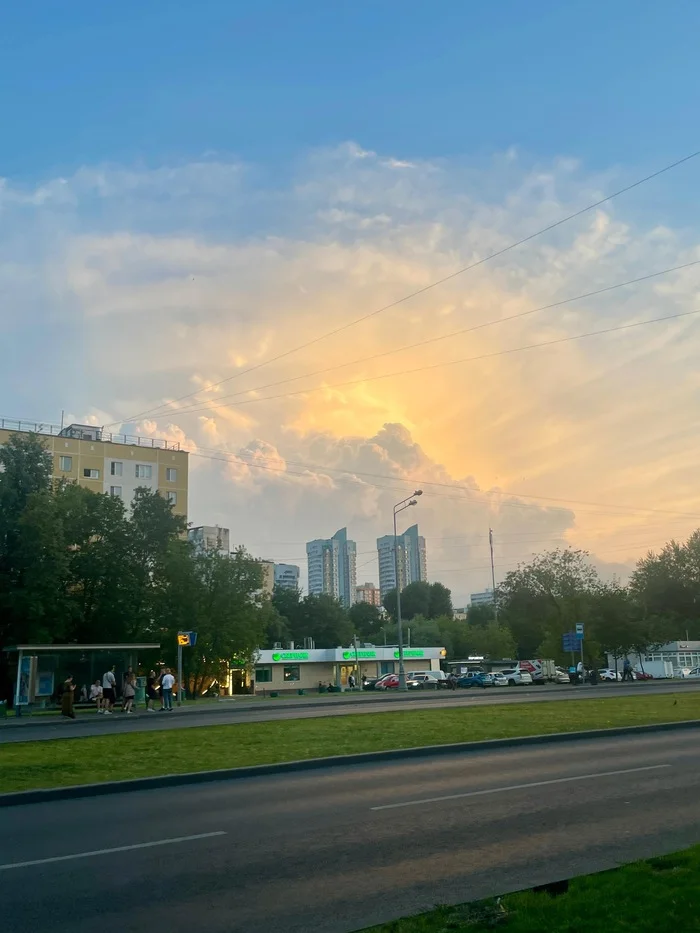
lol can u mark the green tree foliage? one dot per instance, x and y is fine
(320, 617)
(428, 600)
(542, 600)
(666, 586)
(218, 596)
(366, 620)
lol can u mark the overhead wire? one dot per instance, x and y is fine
(468, 359)
(441, 337)
(425, 288)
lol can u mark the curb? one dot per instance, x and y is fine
(228, 704)
(22, 798)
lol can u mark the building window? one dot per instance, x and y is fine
(116, 468)
(171, 474)
(65, 464)
(172, 497)
(263, 675)
(91, 474)
(144, 471)
(291, 673)
(115, 491)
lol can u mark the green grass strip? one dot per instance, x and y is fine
(653, 896)
(61, 762)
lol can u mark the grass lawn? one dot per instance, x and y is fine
(645, 897)
(27, 765)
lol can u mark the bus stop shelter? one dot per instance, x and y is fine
(41, 668)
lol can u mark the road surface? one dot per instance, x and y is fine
(335, 851)
(89, 723)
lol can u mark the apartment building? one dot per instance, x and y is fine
(368, 593)
(332, 567)
(116, 464)
(411, 558)
(210, 538)
(287, 576)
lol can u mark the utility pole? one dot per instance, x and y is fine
(493, 576)
(399, 507)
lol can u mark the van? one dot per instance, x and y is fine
(436, 675)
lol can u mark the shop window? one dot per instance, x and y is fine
(263, 675)
(291, 673)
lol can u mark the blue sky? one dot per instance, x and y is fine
(189, 189)
(86, 82)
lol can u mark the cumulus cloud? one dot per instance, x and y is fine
(122, 288)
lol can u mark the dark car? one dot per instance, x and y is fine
(475, 679)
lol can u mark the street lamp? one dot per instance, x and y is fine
(399, 507)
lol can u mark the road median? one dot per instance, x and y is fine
(49, 771)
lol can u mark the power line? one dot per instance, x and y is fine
(454, 333)
(414, 482)
(425, 288)
(468, 359)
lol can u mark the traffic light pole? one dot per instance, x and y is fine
(179, 673)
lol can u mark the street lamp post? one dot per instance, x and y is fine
(399, 507)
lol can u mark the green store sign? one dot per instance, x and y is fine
(411, 653)
(290, 656)
(362, 655)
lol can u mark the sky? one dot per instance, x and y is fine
(194, 196)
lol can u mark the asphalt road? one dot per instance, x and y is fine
(88, 723)
(334, 851)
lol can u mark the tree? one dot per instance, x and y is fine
(440, 601)
(667, 586)
(545, 598)
(27, 576)
(219, 597)
(428, 600)
(366, 620)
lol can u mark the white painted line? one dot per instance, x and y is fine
(500, 790)
(138, 845)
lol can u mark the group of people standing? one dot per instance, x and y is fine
(103, 692)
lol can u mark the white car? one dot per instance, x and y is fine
(517, 678)
(561, 676)
(499, 680)
(694, 673)
(606, 673)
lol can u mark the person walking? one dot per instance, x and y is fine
(351, 681)
(627, 670)
(129, 693)
(167, 684)
(67, 698)
(151, 692)
(96, 695)
(109, 690)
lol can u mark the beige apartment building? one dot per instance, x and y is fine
(116, 464)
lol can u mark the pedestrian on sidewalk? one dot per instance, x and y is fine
(129, 693)
(67, 698)
(96, 695)
(167, 684)
(151, 692)
(109, 690)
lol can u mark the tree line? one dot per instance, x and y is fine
(77, 566)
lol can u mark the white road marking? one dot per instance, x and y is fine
(500, 790)
(138, 845)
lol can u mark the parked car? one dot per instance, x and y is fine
(498, 679)
(643, 675)
(561, 676)
(387, 682)
(423, 681)
(606, 673)
(695, 672)
(475, 679)
(517, 678)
